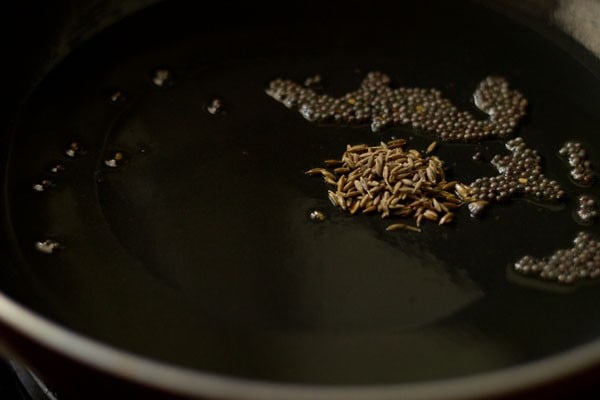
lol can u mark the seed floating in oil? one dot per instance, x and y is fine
(117, 97)
(391, 181)
(520, 174)
(317, 216)
(476, 208)
(478, 156)
(47, 246)
(58, 168)
(74, 150)
(582, 261)
(215, 106)
(312, 80)
(587, 209)
(42, 186)
(576, 156)
(162, 77)
(377, 104)
(115, 160)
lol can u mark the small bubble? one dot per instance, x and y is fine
(162, 78)
(215, 106)
(317, 216)
(47, 246)
(118, 97)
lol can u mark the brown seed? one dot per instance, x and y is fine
(332, 198)
(399, 227)
(462, 191)
(449, 185)
(339, 197)
(431, 147)
(430, 215)
(431, 175)
(332, 162)
(355, 207)
(330, 181)
(341, 170)
(447, 218)
(419, 219)
(315, 171)
(370, 209)
(358, 148)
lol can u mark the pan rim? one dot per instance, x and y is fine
(178, 380)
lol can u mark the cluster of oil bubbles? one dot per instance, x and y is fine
(587, 209)
(582, 261)
(520, 174)
(377, 103)
(577, 158)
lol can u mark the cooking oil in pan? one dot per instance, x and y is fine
(206, 238)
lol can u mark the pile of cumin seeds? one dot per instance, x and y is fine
(392, 181)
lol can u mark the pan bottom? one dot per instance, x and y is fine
(195, 245)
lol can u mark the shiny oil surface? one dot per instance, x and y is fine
(198, 249)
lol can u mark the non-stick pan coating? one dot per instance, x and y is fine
(198, 250)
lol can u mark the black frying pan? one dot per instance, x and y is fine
(193, 267)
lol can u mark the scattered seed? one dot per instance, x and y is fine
(399, 227)
(47, 246)
(317, 216)
(431, 147)
(43, 185)
(73, 150)
(57, 168)
(117, 97)
(162, 77)
(215, 106)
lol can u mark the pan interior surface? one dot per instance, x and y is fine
(198, 249)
